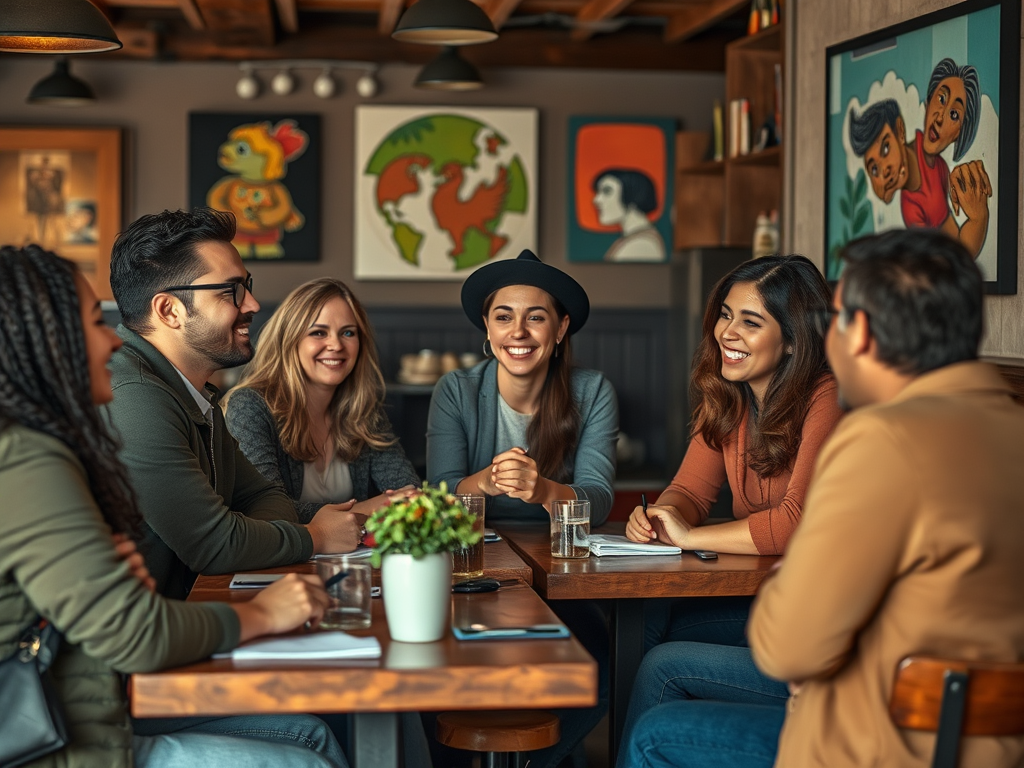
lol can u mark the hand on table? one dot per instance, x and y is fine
(128, 552)
(661, 523)
(285, 605)
(514, 473)
(336, 528)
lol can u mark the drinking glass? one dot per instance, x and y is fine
(570, 528)
(468, 563)
(349, 596)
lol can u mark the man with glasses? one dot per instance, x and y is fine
(186, 308)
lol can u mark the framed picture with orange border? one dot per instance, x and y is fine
(60, 188)
(620, 189)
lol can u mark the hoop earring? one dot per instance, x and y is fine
(487, 348)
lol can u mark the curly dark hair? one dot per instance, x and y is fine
(44, 374)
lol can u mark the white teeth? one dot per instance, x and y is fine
(519, 350)
(330, 363)
(243, 331)
(734, 355)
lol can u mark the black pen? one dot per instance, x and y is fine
(335, 579)
(643, 501)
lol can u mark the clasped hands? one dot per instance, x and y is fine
(513, 474)
(660, 523)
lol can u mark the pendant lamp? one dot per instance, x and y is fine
(445, 22)
(61, 88)
(449, 72)
(54, 26)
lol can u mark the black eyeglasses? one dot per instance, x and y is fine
(237, 293)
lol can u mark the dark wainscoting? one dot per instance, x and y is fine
(630, 346)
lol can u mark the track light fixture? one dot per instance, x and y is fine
(324, 85)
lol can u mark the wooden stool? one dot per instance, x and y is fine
(501, 735)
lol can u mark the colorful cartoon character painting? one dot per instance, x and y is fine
(257, 158)
(264, 168)
(922, 133)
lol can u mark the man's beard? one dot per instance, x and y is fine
(210, 342)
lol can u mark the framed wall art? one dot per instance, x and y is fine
(921, 131)
(265, 169)
(620, 189)
(61, 188)
(441, 191)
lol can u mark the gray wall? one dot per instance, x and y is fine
(819, 24)
(152, 101)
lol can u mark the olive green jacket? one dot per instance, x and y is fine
(57, 560)
(207, 509)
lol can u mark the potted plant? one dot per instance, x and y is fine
(413, 541)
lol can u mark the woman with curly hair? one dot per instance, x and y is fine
(309, 411)
(67, 557)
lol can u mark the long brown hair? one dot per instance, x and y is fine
(554, 430)
(796, 295)
(356, 411)
(44, 374)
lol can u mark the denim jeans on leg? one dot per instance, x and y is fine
(687, 671)
(705, 734)
(248, 741)
(718, 620)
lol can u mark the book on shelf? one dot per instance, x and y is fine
(778, 102)
(717, 120)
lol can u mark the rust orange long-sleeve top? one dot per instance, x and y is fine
(771, 505)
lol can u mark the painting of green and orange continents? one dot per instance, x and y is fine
(441, 191)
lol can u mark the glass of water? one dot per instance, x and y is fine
(349, 594)
(570, 528)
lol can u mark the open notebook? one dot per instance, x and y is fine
(602, 545)
(318, 645)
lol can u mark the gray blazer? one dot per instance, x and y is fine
(254, 427)
(462, 430)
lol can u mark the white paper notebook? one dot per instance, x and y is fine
(318, 645)
(362, 552)
(603, 545)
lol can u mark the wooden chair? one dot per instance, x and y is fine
(958, 698)
(500, 735)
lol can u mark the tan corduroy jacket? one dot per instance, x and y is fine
(912, 542)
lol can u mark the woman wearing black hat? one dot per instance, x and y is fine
(524, 427)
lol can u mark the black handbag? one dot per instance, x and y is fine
(33, 722)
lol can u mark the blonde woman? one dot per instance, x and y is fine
(309, 412)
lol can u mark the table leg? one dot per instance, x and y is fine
(375, 740)
(627, 653)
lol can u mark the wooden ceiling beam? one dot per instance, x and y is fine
(289, 16)
(191, 13)
(239, 22)
(139, 42)
(390, 10)
(689, 21)
(596, 10)
(500, 10)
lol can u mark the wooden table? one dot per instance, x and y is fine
(449, 674)
(623, 580)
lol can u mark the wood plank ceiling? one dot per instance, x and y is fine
(609, 34)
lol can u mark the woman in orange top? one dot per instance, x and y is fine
(764, 402)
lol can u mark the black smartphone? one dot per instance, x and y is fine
(705, 554)
(477, 585)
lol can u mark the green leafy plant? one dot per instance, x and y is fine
(431, 521)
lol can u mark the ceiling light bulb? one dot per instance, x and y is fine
(366, 86)
(248, 86)
(324, 85)
(282, 83)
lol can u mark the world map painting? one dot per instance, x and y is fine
(441, 191)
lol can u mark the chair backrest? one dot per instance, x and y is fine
(958, 698)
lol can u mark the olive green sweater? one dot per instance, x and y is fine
(207, 509)
(57, 560)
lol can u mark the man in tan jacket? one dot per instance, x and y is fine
(912, 540)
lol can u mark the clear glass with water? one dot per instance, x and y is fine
(570, 529)
(349, 594)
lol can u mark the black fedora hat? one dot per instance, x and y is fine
(525, 269)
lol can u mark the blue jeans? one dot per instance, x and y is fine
(673, 675)
(718, 620)
(248, 741)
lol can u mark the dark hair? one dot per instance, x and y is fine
(44, 374)
(554, 430)
(796, 295)
(159, 250)
(972, 91)
(637, 188)
(866, 128)
(922, 293)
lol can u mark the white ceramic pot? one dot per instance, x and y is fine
(417, 596)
